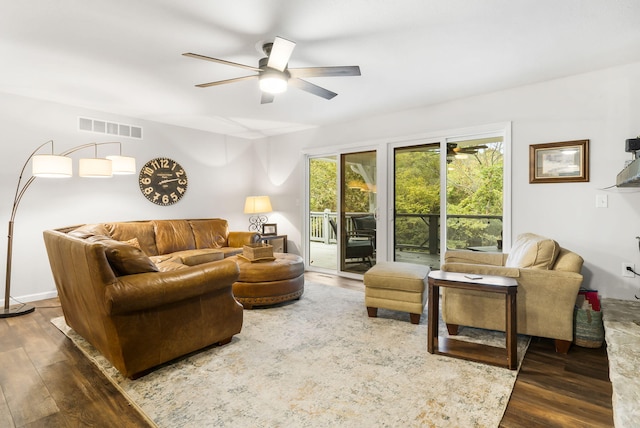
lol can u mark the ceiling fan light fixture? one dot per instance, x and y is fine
(273, 82)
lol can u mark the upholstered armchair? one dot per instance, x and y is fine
(548, 282)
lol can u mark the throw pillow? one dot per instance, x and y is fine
(133, 242)
(533, 251)
(125, 259)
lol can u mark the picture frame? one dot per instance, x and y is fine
(269, 229)
(563, 162)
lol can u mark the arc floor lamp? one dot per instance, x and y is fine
(57, 166)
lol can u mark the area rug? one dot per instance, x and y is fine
(321, 362)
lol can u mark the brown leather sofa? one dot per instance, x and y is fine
(146, 292)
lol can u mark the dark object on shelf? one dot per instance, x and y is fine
(632, 145)
(279, 242)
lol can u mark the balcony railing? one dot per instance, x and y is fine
(421, 232)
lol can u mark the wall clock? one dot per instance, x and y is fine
(163, 181)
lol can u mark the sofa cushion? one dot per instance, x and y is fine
(197, 257)
(142, 230)
(533, 251)
(124, 259)
(211, 233)
(170, 266)
(173, 236)
(87, 230)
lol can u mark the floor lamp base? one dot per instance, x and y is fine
(16, 310)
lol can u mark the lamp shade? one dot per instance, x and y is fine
(121, 165)
(51, 166)
(257, 204)
(95, 168)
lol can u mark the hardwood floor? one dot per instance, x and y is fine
(47, 382)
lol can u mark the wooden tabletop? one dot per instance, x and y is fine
(468, 278)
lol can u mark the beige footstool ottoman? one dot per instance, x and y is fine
(397, 286)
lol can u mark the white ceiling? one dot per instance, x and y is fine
(125, 56)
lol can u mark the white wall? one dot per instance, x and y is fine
(602, 106)
(220, 170)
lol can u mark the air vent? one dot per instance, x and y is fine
(99, 126)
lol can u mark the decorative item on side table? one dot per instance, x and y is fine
(260, 252)
(279, 242)
(559, 162)
(258, 206)
(58, 166)
(269, 229)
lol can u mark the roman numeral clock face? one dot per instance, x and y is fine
(163, 181)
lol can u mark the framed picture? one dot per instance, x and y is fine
(269, 229)
(563, 162)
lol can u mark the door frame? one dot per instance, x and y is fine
(384, 148)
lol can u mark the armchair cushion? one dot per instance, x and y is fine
(533, 251)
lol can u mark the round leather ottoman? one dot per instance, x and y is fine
(268, 283)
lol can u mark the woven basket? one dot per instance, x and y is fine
(588, 329)
(257, 251)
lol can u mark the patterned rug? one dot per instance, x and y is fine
(321, 362)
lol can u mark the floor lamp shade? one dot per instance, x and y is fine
(122, 165)
(51, 166)
(95, 167)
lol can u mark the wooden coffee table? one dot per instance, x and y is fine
(473, 351)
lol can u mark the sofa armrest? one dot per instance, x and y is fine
(238, 239)
(552, 283)
(475, 257)
(143, 291)
(481, 269)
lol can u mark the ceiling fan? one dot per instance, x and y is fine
(453, 149)
(274, 74)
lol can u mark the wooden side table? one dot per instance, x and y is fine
(474, 351)
(279, 242)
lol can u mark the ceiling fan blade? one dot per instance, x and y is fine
(266, 98)
(348, 70)
(280, 53)
(311, 88)
(222, 82)
(221, 61)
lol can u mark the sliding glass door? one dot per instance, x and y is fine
(358, 211)
(475, 181)
(437, 193)
(342, 212)
(323, 206)
(458, 182)
(416, 198)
